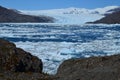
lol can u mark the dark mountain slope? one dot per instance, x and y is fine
(8, 15)
(113, 18)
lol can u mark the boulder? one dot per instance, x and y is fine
(13, 59)
(94, 68)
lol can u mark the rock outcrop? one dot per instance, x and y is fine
(113, 18)
(12, 16)
(95, 68)
(17, 64)
(14, 59)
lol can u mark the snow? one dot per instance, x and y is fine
(73, 15)
(67, 38)
(105, 9)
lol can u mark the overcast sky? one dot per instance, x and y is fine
(55, 4)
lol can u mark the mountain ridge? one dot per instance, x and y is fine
(113, 18)
(11, 16)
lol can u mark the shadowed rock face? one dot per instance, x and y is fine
(113, 18)
(96, 68)
(16, 64)
(12, 16)
(14, 59)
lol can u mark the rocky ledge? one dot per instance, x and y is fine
(16, 64)
(94, 68)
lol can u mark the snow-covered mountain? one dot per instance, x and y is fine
(106, 10)
(74, 15)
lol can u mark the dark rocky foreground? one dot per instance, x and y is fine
(113, 18)
(95, 68)
(13, 16)
(16, 64)
(17, 60)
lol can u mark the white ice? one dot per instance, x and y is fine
(73, 15)
(54, 53)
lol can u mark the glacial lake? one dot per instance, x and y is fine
(54, 43)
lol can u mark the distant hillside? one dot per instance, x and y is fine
(9, 15)
(113, 18)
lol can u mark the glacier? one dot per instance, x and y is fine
(69, 37)
(73, 15)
